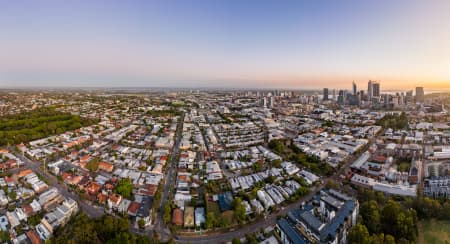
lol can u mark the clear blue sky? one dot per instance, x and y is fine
(292, 44)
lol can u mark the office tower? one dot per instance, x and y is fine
(354, 88)
(409, 97)
(369, 90)
(420, 95)
(376, 89)
(272, 101)
(341, 97)
(325, 94)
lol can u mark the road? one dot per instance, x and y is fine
(91, 211)
(163, 232)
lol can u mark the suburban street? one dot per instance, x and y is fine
(91, 211)
(159, 227)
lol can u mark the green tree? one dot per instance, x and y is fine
(4, 236)
(141, 223)
(239, 210)
(210, 221)
(389, 216)
(371, 216)
(236, 241)
(92, 165)
(12, 195)
(358, 234)
(125, 188)
(167, 213)
(84, 230)
(388, 239)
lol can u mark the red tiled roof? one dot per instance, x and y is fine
(34, 237)
(177, 217)
(93, 188)
(133, 208)
(25, 172)
(105, 166)
(102, 198)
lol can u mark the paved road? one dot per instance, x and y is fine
(163, 232)
(91, 211)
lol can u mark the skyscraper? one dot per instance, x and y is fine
(420, 95)
(325, 94)
(355, 91)
(376, 89)
(341, 97)
(369, 90)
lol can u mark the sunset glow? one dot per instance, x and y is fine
(293, 44)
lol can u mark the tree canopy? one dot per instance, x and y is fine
(394, 121)
(36, 124)
(107, 229)
(125, 188)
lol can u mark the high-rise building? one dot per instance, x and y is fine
(355, 91)
(341, 97)
(361, 95)
(325, 94)
(376, 89)
(409, 97)
(369, 90)
(420, 95)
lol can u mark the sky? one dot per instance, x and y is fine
(226, 44)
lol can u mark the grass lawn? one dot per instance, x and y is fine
(434, 231)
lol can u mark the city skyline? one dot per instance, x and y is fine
(232, 44)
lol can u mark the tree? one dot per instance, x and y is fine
(358, 234)
(251, 239)
(12, 195)
(400, 223)
(389, 216)
(382, 239)
(210, 221)
(371, 216)
(239, 210)
(167, 213)
(106, 229)
(125, 188)
(388, 239)
(84, 231)
(276, 163)
(446, 210)
(141, 223)
(236, 241)
(276, 146)
(4, 236)
(92, 165)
